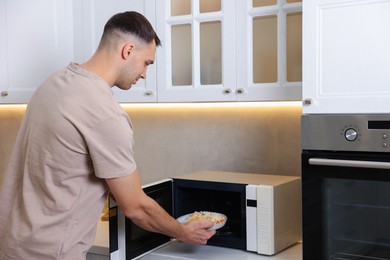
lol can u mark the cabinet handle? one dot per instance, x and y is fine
(149, 93)
(240, 91)
(4, 93)
(227, 91)
(307, 101)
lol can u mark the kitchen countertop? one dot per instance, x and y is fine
(178, 250)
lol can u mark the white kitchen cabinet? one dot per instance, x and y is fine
(186, 32)
(36, 38)
(224, 50)
(346, 56)
(269, 49)
(92, 15)
(39, 37)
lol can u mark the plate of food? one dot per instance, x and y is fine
(218, 219)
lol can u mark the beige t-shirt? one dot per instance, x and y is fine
(73, 136)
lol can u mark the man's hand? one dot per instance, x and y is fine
(197, 232)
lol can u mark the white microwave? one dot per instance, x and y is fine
(263, 212)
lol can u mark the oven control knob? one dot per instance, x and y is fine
(351, 134)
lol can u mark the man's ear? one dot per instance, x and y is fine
(127, 50)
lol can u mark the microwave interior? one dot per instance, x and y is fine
(225, 198)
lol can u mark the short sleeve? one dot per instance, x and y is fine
(110, 145)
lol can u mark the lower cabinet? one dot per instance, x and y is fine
(93, 256)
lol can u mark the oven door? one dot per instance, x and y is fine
(346, 205)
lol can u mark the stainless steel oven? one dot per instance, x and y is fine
(346, 186)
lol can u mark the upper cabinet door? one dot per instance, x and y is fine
(346, 56)
(198, 55)
(36, 38)
(224, 50)
(91, 16)
(269, 49)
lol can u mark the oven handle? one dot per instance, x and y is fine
(349, 163)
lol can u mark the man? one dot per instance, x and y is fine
(76, 143)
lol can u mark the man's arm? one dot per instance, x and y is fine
(147, 213)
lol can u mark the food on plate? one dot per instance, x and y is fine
(216, 218)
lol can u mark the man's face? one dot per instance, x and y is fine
(136, 65)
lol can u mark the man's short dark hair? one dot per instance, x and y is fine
(133, 23)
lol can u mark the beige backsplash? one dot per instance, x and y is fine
(172, 140)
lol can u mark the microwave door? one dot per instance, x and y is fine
(129, 241)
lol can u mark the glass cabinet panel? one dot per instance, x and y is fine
(181, 55)
(210, 53)
(294, 46)
(265, 64)
(206, 6)
(180, 7)
(258, 3)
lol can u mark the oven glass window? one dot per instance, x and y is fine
(357, 219)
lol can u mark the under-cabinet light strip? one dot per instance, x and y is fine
(193, 105)
(217, 104)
